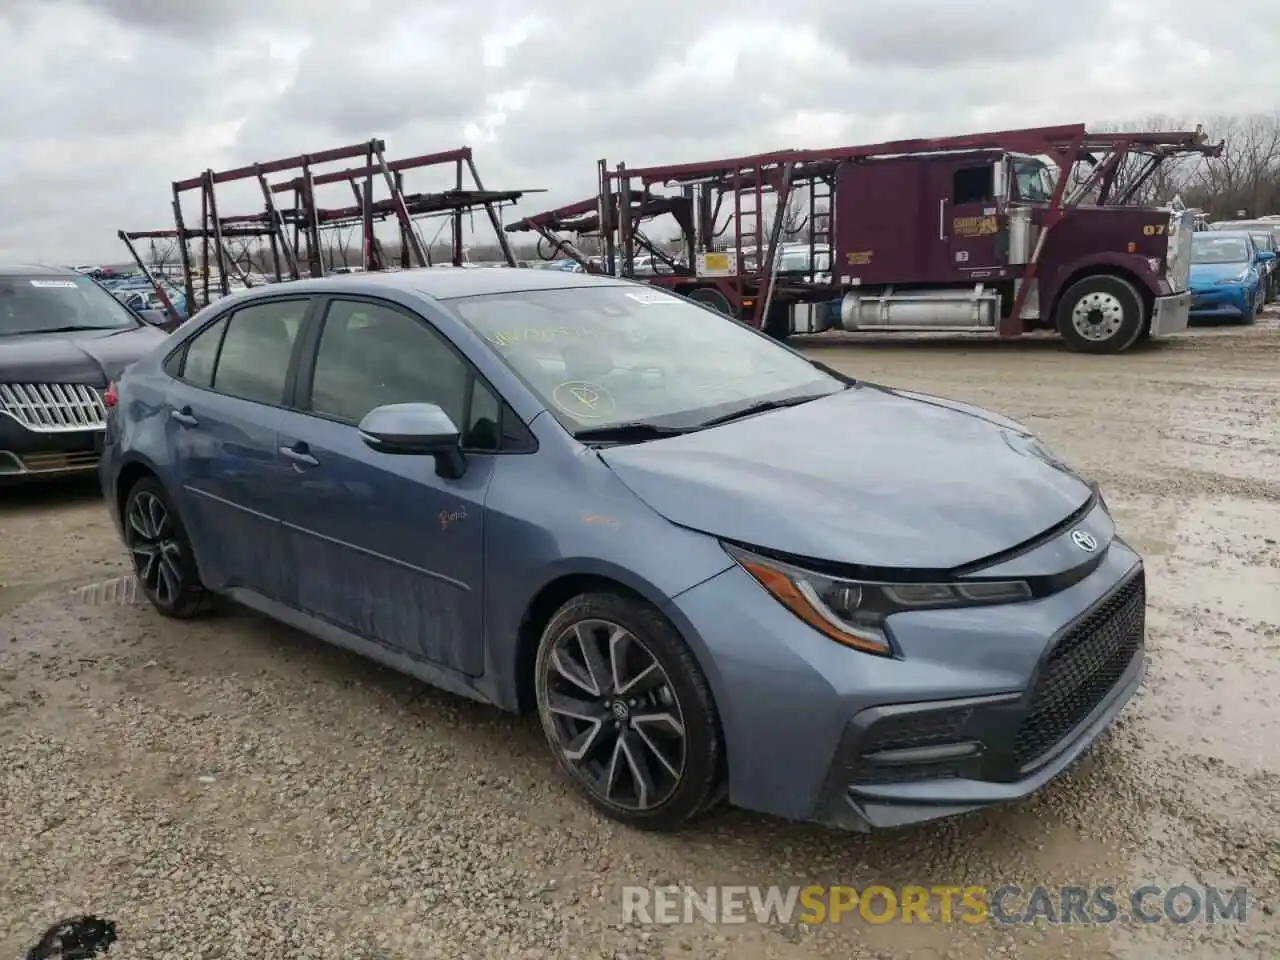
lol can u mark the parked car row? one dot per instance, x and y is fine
(1232, 275)
(1266, 235)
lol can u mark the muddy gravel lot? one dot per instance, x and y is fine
(230, 788)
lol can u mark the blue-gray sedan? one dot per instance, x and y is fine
(715, 568)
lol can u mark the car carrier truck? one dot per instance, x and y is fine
(1001, 233)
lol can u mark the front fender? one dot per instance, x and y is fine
(1056, 283)
(550, 517)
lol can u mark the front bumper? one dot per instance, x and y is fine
(1224, 301)
(985, 706)
(28, 455)
(1170, 314)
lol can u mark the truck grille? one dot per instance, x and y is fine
(1181, 227)
(54, 407)
(1082, 669)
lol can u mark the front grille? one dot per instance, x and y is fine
(910, 730)
(1082, 669)
(54, 407)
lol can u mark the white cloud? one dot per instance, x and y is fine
(109, 101)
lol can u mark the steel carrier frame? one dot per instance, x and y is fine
(722, 209)
(294, 232)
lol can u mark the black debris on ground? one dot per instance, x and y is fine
(76, 938)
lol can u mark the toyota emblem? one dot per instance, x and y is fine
(1085, 541)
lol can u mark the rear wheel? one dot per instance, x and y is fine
(163, 560)
(713, 298)
(628, 713)
(1101, 314)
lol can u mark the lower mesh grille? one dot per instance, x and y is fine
(1082, 669)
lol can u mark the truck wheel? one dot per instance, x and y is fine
(778, 323)
(1101, 314)
(713, 298)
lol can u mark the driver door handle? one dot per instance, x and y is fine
(298, 454)
(184, 417)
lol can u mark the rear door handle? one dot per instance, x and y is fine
(298, 454)
(184, 417)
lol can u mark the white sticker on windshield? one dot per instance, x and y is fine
(60, 284)
(652, 298)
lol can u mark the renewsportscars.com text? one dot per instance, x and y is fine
(971, 905)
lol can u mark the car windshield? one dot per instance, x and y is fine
(1208, 248)
(601, 356)
(54, 304)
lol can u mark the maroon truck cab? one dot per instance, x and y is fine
(948, 242)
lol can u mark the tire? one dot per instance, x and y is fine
(160, 550)
(1251, 317)
(778, 323)
(1101, 314)
(677, 743)
(713, 298)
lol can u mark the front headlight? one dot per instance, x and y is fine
(1241, 278)
(852, 612)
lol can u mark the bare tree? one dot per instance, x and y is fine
(1246, 177)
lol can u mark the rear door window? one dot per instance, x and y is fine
(257, 349)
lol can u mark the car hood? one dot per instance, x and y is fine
(870, 476)
(1206, 274)
(92, 356)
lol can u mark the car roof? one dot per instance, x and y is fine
(1236, 234)
(34, 269)
(1223, 225)
(440, 283)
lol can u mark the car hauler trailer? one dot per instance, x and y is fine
(1002, 233)
(293, 234)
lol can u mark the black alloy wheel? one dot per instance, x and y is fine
(627, 712)
(161, 552)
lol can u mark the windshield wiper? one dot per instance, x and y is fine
(632, 431)
(764, 406)
(67, 329)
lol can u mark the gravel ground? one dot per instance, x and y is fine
(234, 789)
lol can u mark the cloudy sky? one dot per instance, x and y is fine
(108, 101)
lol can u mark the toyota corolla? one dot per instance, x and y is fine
(713, 568)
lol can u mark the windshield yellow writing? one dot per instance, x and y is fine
(509, 338)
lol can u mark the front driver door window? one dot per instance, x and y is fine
(383, 546)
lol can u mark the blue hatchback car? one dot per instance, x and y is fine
(714, 567)
(1228, 275)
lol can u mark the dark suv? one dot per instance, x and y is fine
(63, 338)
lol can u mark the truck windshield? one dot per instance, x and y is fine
(1207, 248)
(1035, 184)
(600, 356)
(56, 304)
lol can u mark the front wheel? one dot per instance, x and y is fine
(628, 713)
(1101, 314)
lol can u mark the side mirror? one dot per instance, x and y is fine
(415, 429)
(1265, 256)
(1000, 179)
(158, 318)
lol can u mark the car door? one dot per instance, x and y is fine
(225, 403)
(381, 545)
